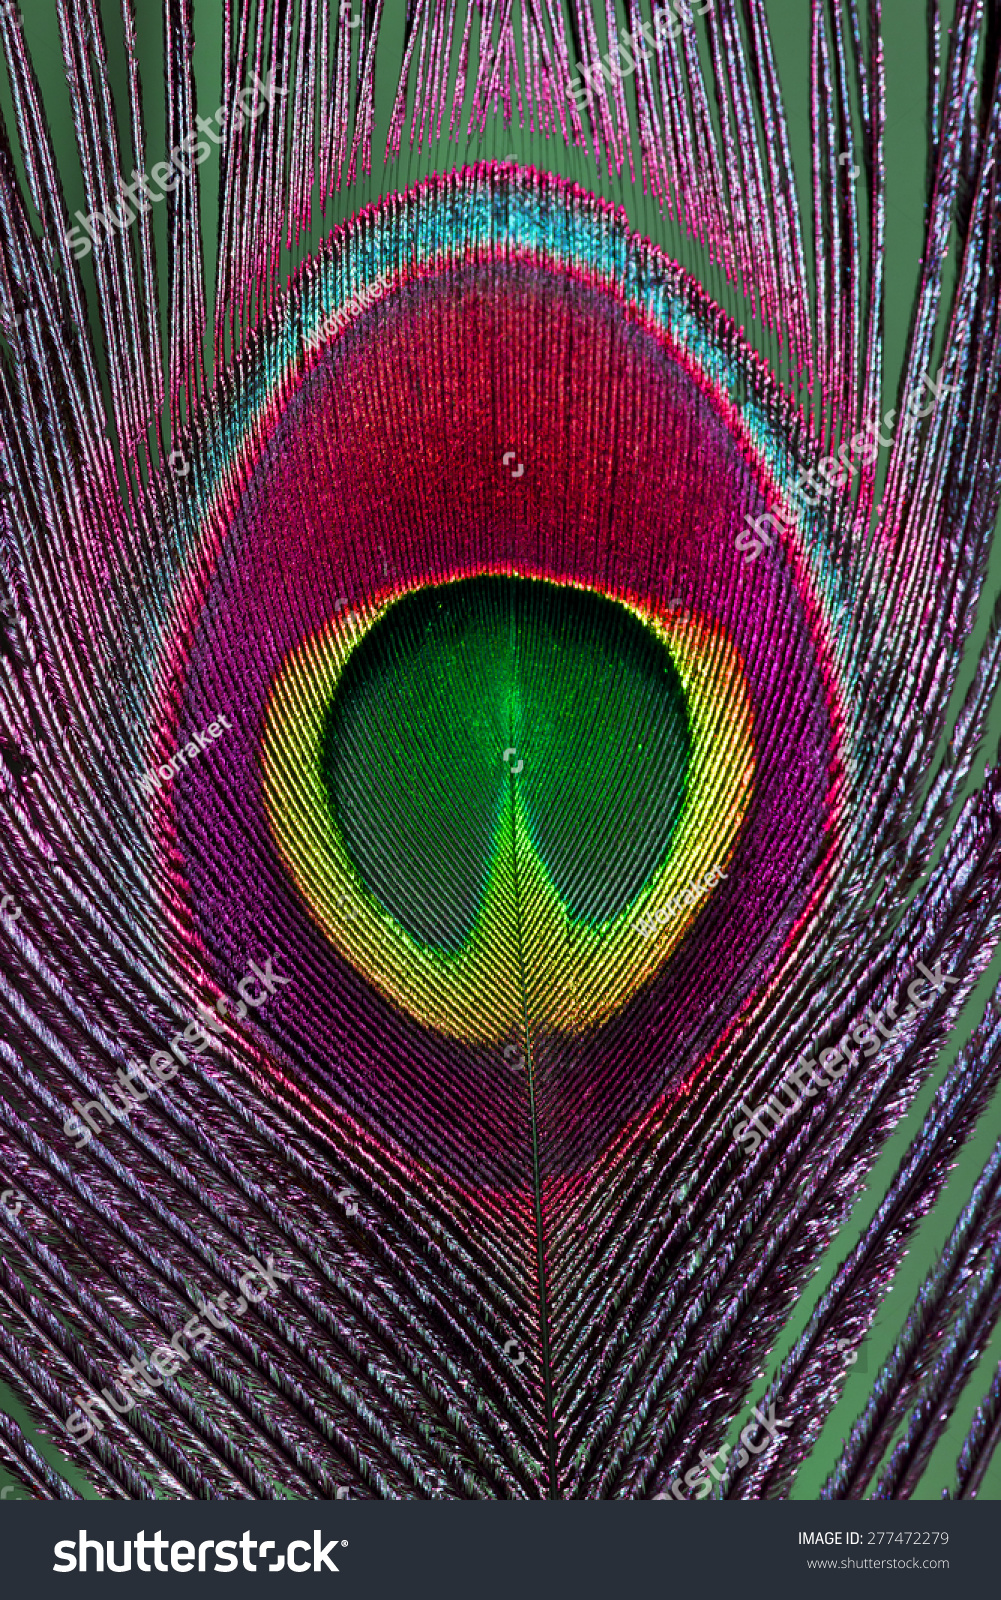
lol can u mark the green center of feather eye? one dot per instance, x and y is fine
(468, 699)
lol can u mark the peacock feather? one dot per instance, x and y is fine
(496, 667)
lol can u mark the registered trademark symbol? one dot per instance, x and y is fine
(344, 1542)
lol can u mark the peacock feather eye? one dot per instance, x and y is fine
(490, 780)
(493, 753)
